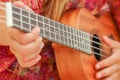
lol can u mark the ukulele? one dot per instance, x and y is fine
(76, 38)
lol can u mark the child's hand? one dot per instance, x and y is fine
(25, 46)
(110, 67)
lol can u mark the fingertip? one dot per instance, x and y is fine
(22, 5)
(36, 31)
(106, 38)
(97, 66)
(38, 58)
(101, 64)
(18, 3)
(98, 75)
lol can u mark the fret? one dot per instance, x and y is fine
(25, 19)
(29, 21)
(33, 20)
(17, 22)
(43, 27)
(40, 24)
(47, 31)
(25, 13)
(52, 29)
(57, 31)
(81, 38)
(52, 33)
(88, 46)
(62, 33)
(15, 9)
(83, 35)
(61, 29)
(37, 20)
(79, 44)
(72, 35)
(46, 20)
(74, 38)
(69, 37)
(83, 46)
(17, 17)
(46, 26)
(77, 40)
(86, 41)
(65, 35)
(21, 19)
(52, 23)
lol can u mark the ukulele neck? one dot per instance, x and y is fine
(49, 29)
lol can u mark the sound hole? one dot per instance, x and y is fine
(96, 48)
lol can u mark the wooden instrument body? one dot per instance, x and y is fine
(73, 64)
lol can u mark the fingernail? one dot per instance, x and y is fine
(105, 37)
(97, 66)
(98, 76)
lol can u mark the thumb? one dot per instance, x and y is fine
(22, 5)
(110, 42)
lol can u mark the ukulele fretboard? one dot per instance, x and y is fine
(49, 29)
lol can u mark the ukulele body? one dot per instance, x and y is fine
(76, 65)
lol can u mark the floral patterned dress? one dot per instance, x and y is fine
(45, 69)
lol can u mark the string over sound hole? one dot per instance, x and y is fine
(96, 46)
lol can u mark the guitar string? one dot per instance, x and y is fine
(103, 51)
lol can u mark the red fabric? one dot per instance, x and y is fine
(4, 0)
(36, 5)
(6, 58)
(115, 9)
(89, 4)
